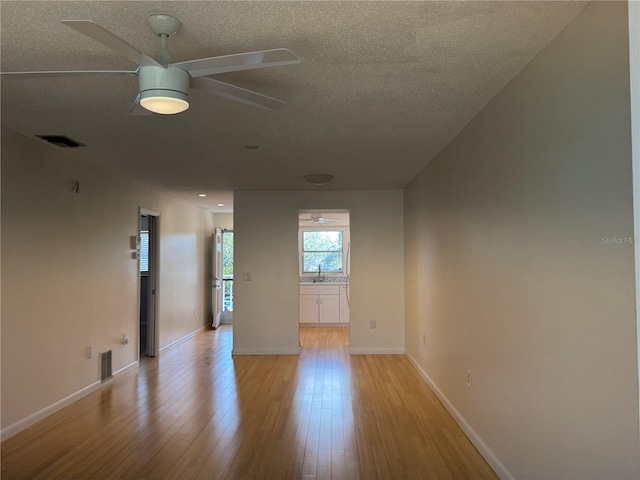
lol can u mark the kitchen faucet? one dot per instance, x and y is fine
(319, 278)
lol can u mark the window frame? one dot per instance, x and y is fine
(144, 248)
(323, 228)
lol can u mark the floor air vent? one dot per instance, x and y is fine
(105, 366)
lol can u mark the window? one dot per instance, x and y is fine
(227, 271)
(144, 251)
(322, 251)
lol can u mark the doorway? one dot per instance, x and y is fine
(227, 277)
(148, 238)
(324, 257)
(216, 282)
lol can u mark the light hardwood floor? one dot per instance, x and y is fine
(197, 413)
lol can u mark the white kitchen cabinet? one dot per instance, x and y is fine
(321, 304)
(309, 311)
(329, 311)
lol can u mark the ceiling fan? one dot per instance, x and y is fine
(163, 86)
(319, 219)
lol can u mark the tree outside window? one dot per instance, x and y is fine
(227, 271)
(322, 251)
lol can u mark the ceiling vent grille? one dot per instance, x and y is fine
(61, 141)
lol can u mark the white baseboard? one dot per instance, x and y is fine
(376, 351)
(126, 369)
(34, 418)
(482, 447)
(265, 351)
(185, 338)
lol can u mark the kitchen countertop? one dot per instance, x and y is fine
(332, 279)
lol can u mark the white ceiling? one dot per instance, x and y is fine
(382, 87)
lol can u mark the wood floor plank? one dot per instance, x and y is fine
(196, 412)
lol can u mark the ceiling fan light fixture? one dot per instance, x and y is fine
(163, 90)
(168, 103)
(318, 178)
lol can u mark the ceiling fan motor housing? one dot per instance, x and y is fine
(158, 81)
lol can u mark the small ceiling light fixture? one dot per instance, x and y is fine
(318, 178)
(221, 204)
(202, 194)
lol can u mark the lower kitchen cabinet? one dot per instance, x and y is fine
(309, 311)
(329, 311)
(320, 304)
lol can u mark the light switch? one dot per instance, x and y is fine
(246, 276)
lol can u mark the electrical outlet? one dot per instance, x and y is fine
(468, 378)
(246, 276)
(125, 339)
(372, 324)
(89, 352)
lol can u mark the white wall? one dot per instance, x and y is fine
(70, 280)
(266, 244)
(185, 268)
(634, 66)
(513, 270)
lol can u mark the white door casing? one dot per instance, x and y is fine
(216, 282)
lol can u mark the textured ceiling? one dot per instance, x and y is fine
(382, 87)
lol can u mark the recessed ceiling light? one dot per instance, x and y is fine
(221, 204)
(252, 147)
(318, 178)
(202, 194)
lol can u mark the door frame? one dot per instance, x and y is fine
(153, 330)
(347, 270)
(217, 297)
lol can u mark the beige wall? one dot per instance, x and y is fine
(513, 270)
(224, 221)
(69, 278)
(266, 244)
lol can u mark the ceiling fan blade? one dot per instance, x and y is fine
(241, 61)
(238, 94)
(138, 110)
(66, 73)
(105, 37)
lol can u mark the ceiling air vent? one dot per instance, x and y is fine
(61, 141)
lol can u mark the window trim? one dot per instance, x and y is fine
(144, 248)
(323, 228)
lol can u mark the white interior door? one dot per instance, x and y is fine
(216, 283)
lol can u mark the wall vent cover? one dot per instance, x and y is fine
(106, 371)
(61, 141)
